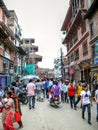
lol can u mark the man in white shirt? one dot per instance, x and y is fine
(86, 102)
(96, 100)
(31, 93)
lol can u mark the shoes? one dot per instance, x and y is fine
(83, 117)
(89, 123)
(33, 106)
(20, 127)
(30, 108)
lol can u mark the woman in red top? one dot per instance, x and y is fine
(71, 93)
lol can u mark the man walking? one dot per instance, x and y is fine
(31, 92)
(86, 102)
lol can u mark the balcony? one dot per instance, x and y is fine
(76, 22)
(7, 29)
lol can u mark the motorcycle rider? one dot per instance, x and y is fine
(55, 91)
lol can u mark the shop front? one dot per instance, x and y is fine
(85, 71)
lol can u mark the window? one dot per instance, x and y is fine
(72, 57)
(91, 29)
(82, 3)
(75, 37)
(85, 48)
(77, 54)
(26, 41)
(83, 28)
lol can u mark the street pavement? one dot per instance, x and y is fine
(45, 117)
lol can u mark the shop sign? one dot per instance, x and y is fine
(7, 55)
(96, 47)
(96, 59)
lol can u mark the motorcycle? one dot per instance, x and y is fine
(55, 101)
(22, 96)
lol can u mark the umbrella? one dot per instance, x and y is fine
(28, 77)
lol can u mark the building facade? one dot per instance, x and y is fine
(7, 47)
(19, 58)
(92, 16)
(77, 40)
(32, 58)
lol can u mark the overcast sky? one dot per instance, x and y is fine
(42, 20)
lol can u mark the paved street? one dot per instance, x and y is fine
(45, 117)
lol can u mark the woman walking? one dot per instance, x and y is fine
(14, 96)
(8, 112)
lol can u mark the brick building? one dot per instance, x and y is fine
(7, 47)
(92, 16)
(77, 40)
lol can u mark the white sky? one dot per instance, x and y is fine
(42, 20)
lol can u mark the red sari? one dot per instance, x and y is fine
(8, 115)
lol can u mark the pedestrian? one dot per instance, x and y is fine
(31, 93)
(96, 100)
(71, 94)
(66, 91)
(39, 90)
(62, 90)
(14, 96)
(86, 101)
(8, 112)
(78, 91)
(47, 88)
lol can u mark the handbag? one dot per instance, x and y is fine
(17, 116)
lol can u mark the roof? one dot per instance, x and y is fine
(92, 9)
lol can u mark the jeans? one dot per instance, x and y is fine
(62, 96)
(77, 101)
(72, 101)
(97, 113)
(31, 101)
(89, 111)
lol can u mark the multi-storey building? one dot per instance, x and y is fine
(7, 47)
(77, 40)
(92, 15)
(19, 59)
(31, 58)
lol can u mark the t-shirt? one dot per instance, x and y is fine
(96, 93)
(30, 89)
(85, 97)
(65, 88)
(79, 90)
(56, 90)
(71, 91)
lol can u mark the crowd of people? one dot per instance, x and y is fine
(69, 92)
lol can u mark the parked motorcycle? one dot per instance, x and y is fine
(22, 96)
